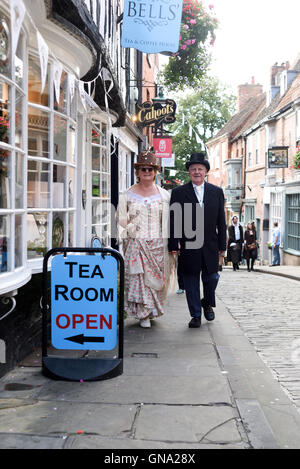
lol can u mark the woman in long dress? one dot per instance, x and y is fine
(143, 218)
(250, 245)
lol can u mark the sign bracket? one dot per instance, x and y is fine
(85, 369)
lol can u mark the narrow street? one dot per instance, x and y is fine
(233, 383)
(266, 307)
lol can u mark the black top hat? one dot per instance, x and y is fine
(198, 158)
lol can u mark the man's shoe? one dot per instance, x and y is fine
(179, 291)
(208, 312)
(195, 322)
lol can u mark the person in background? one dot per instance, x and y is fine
(235, 243)
(250, 245)
(276, 244)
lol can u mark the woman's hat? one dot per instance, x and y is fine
(198, 158)
(146, 158)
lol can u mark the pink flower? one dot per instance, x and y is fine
(210, 6)
(188, 42)
(185, 26)
(193, 41)
(193, 21)
(183, 47)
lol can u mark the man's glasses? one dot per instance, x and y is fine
(147, 169)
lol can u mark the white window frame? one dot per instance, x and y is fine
(15, 276)
(66, 211)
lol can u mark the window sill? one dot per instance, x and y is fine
(14, 280)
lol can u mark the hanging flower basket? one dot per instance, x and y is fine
(188, 65)
(296, 160)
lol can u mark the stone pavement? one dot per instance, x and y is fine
(181, 388)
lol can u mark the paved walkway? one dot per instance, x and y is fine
(181, 388)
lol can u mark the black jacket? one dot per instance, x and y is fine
(211, 223)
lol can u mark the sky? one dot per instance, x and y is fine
(252, 36)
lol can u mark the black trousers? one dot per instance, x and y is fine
(192, 290)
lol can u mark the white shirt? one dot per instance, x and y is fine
(199, 191)
(237, 231)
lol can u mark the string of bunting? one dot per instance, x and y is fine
(17, 15)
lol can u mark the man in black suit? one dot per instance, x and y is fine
(198, 231)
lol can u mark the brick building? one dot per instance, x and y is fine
(257, 186)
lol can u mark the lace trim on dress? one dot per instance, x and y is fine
(141, 197)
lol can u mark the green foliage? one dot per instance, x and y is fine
(296, 160)
(187, 66)
(205, 111)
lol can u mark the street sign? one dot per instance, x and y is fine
(84, 302)
(86, 311)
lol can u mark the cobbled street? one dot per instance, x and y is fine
(267, 308)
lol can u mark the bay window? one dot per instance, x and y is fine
(51, 163)
(12, 152)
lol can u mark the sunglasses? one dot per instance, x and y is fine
(147, 169)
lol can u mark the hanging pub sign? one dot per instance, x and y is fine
(278, 157)
(156, 113)
(162, 147)
(145, 24)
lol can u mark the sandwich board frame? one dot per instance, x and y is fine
(82, 369)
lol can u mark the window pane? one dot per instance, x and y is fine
(95, 185)
(38, 194)
(38, 133)
(95, 135)
(71, 187)
(5, 47)
(4, 112)
(62, 105)
(35, 83)
(59, 181)
(19, 62)
(60, 138)
(96, 212)
(105, 187)
(104, 160)
(58, 230)
(19, 181)
(5, 179)
(95, 158)
(4, 242)
(37, 227)
(71, 229)
(104, 135)
(73, 101)
(72, 144)
(18, 240)
(19, 141)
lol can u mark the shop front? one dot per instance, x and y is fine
(56, 145)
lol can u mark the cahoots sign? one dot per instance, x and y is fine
(156, 113)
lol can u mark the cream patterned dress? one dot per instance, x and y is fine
(143, 248)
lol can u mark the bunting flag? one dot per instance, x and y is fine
(72, 80)
(43, 53)
(82, 93)
(17, 13)
(145, 25)
(57, 72)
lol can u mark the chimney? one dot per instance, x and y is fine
(275, 72)
(247, 91)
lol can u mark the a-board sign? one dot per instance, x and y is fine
(84, 302)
